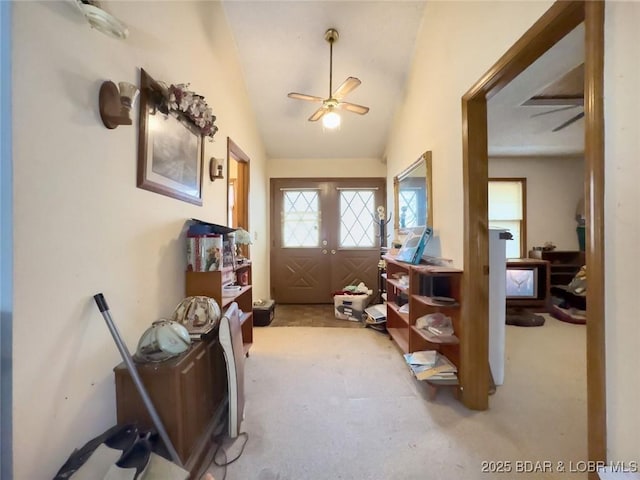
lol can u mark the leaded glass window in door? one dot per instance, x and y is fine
(301, 218)
(408, 208)
(357, 227)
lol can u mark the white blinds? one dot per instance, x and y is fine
(505, 200)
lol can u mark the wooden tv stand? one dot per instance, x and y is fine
(542, 302)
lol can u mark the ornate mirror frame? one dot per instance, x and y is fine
(412, 175)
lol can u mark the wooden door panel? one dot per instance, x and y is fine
(311, 219)
(354, 266)
(302, 276)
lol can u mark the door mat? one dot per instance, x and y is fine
(315, 315)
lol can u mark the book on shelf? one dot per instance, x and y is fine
(424, 357)
(414, 245)
(432, 367)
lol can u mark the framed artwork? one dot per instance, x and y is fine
(170, 149)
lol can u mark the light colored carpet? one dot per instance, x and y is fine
(332, 403)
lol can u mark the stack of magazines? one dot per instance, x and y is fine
(432, 366)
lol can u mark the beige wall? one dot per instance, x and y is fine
(454, 50)
(326, 167)
(82, 226)
(554, 187)
(622, 232)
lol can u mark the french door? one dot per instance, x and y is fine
(324, 236)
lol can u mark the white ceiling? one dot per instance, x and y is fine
(512, 131)
(282, 49)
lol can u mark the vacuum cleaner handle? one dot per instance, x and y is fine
(135, 376)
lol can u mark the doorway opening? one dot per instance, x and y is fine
(323, 237)
(558, 21)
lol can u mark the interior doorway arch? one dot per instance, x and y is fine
(559, 20)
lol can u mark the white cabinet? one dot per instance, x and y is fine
(497, 302)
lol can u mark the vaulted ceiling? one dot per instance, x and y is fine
(282, 49)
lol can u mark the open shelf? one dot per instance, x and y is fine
(403, 316)
(435, 303)
(401, 337)
(395, 283)
(211, 284)
(436, 340)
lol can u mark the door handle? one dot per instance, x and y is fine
(333, 252)
(324, 251)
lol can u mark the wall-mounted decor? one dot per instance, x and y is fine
(215, 168)
(173, 124)
(116, 102)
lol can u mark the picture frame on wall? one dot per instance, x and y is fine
(170, 149)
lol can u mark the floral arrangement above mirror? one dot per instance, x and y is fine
(178, 100)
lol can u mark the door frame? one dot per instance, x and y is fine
(235, 153)
(559, 20)
(275, 183)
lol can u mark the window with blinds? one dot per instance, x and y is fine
(507, 210)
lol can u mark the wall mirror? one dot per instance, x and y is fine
(237, 189)
(412, 196)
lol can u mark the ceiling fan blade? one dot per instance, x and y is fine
(554, 111)
(352, 107)
(318, 114)
(347, 86)
(569, 122)
(302, 96)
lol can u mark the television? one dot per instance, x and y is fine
(522, 282)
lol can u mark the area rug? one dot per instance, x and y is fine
(317, 315)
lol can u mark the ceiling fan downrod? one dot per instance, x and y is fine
(331, 36)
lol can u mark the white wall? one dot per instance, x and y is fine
(326, 167)
(454, 50)
(622, 232)
(554, 187)
(82, 226)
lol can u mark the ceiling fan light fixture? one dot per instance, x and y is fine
(331, 120)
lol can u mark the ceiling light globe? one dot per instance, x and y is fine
(331, 120)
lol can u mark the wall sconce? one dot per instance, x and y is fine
(116, 103)
(215, 168)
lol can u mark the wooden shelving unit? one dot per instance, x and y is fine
(432, 281)
(563, 264)
(212, 284)
(397, 295)
(423, 283)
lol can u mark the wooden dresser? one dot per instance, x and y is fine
(189, 393)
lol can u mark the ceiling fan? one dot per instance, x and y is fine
(326, 111)
(573, 119)
(566, 92)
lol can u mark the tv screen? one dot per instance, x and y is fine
(522, 282)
